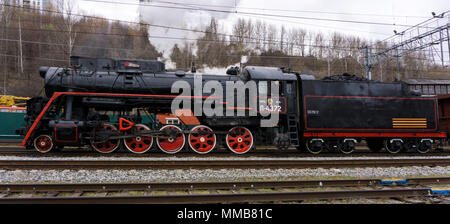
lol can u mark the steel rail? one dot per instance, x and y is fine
(225, 153)
(218, 164)
(208, 185)
(223, 198)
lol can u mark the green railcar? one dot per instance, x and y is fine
(11, 118)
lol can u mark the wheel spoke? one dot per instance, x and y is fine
(108, 146)
(201, 140)
(43, 143)
(171, 144)
(139, 144)
(239, 140)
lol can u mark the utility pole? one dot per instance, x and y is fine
(442, 48)
(398, 65)
(420, 39)
(448, 43)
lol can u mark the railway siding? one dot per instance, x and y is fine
(194, 192)
(219, 164)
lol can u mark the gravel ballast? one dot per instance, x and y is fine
(198, 175)
(194, 175)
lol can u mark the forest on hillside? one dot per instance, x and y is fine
(30, 38)
(300, 50)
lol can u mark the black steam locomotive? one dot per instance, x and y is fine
(127, 104)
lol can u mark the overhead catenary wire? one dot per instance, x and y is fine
(190, 39)
(116, 20)
(187, 39)
(163, 26)
(118, 34)
(265, 41)
(289, 10)
(141, 23)
(137, 23)
(181, 6)
(192, 30)
(57, 44)
(228, 55)
(41, 58)
(415, 26)
(275, 42)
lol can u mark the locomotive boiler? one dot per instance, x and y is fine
(111, 104)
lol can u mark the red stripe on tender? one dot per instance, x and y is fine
(371, 97)
(349, 129)
(375, 134)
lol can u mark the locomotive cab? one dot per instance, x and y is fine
(285, 134)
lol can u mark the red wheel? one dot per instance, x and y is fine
(108, 146)
(202, 143)
(173, 141)
(139, 144)
(43, 143)
(239, 140)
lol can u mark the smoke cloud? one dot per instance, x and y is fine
(191, 19)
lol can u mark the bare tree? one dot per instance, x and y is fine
(67, 24)
(301, 41)
(271, 37)
(282, 37)
(6, 14)
(319, 45)
(258, 34)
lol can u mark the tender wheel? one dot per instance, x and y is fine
(173, 140)
(394, 146)
(139, 144)
(107, 146)
(202, 139)
(43, 143)
(348, 146)
(315, 146)
(375, 145)
(424, 146)
(239, 140)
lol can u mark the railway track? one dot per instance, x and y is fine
(263, 152)
(220, 164)
(235, 192)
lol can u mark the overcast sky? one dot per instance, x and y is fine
(403, 12)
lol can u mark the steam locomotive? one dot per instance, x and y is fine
(112, 104)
